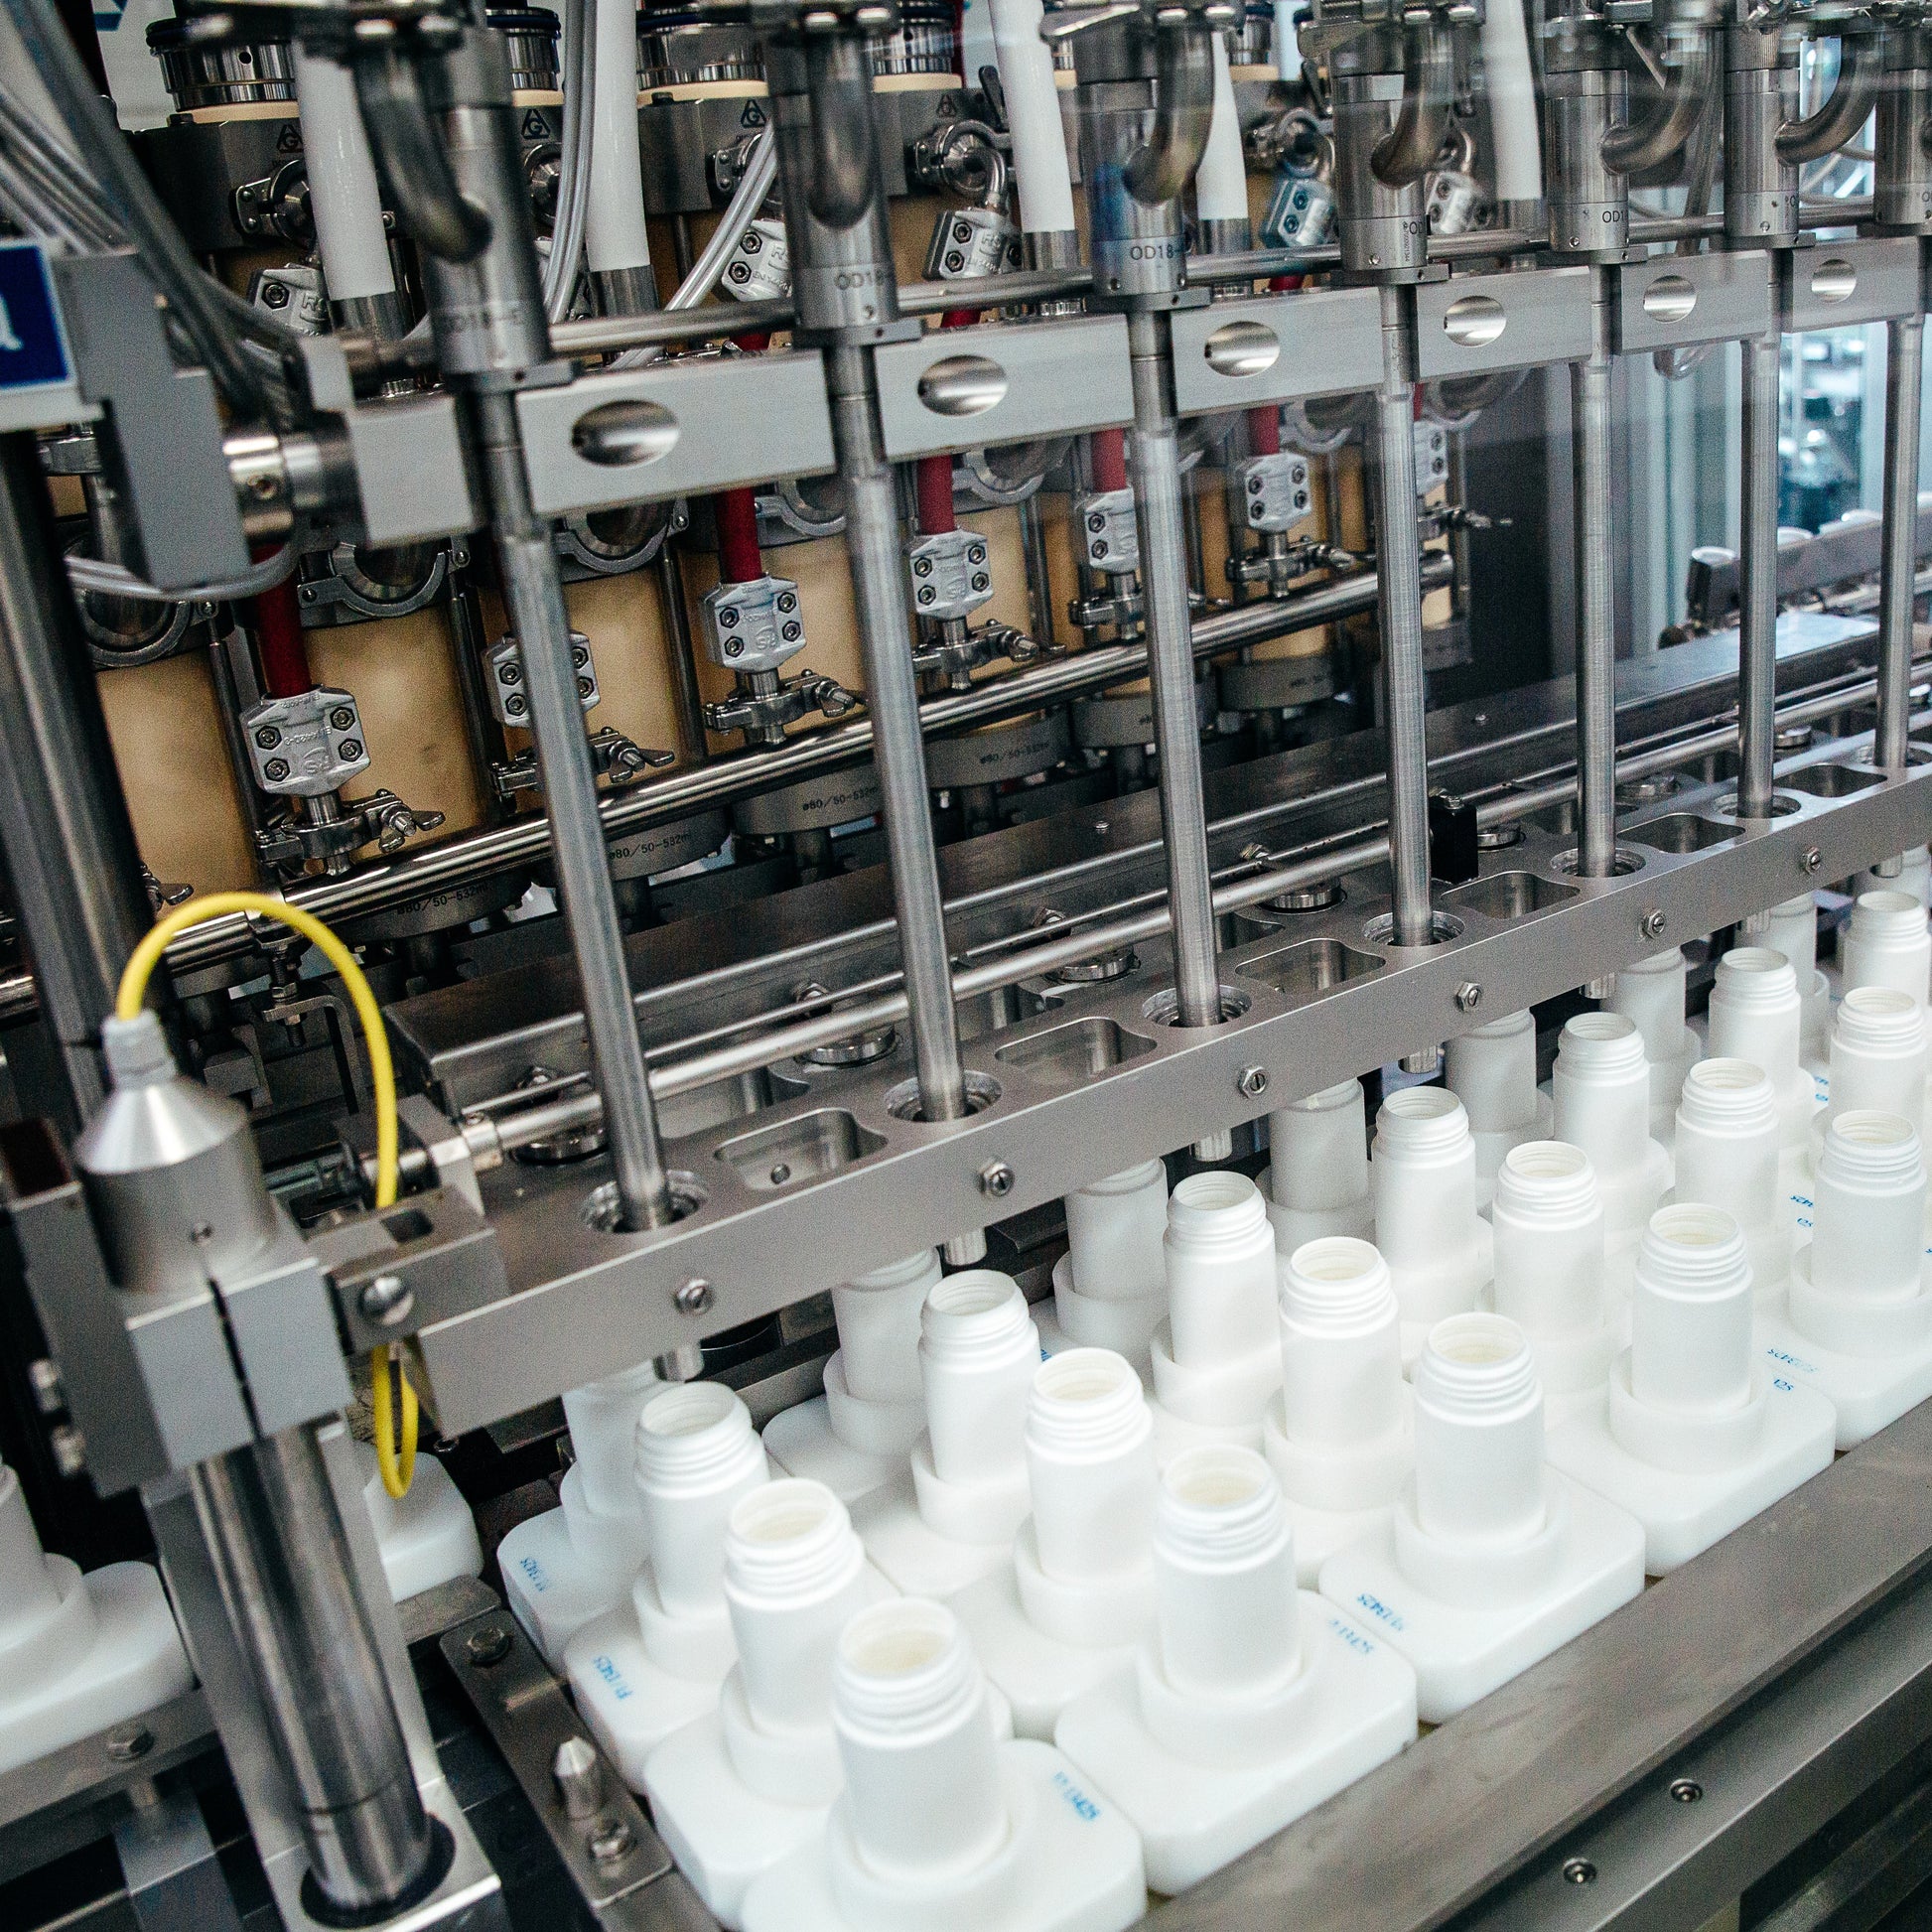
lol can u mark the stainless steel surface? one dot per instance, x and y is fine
(1595, 513)
(1904, 379)
(1758, 561)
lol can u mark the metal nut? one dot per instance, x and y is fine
(1651, 925)
(1811, 858)
(127, 1742)
(487, 1646)
(1252, 1081)
(386, 1300)
(694, 1298)
(996, 1180)
(611, 1842)
(1468, 996)
(70, 1448)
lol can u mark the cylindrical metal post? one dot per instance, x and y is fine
(1757, 553)
(276, 1542)
(893, 697)
(1399, 608)
(70, 846)
(1904, 354)
(1156, 471)
(1590, 392)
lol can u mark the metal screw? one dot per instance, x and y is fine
(1685, 1791)
(1811, 858)
(1468, 996)
(487, 1646)
(996, 1180)
(1578, 1872)
(613, 1842)
(341, 718)
(70, 1448)
(694, 1298)
(780, 1173)
(275, 770)
(126, 1743)
(50, 1398)
(387, 1300)
(517, 704)
(268, 738)
(1252, 1081)
(350, 748)
(578, 1773)
(1651, 925)
(275, 294)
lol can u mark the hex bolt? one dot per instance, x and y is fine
(1252, 1081)
(694, 1298)
(386, 1300)
(1578, 1872)
(609, 1844)
(267, 737)
(1468, 996)
(49, 1397)
(342, 719)
(275, 770)
(578, 1773)
(70, 1448)
(996, 1180)
(1651, 925)
(1685, 1791)
(489, 1646)
(1811, 858)
(127, 1742)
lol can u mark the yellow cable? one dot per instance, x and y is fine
(396, 1461)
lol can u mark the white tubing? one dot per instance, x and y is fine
(1318, 1150)
(1869, 1209)
(697, 1455)
(915, 1736)
(603, 1418)
(1224, 1576)
(1549, 1222)
(1885, 942)
(794, 1576)
(1511, 91)
(1492, 1071)
(615, 234)
(1341, 1345)
(1090, 1466)
(1478, 1433)
(1877, 1055)
(978, 1349)
(1114, 1231)
(1727, 1137)
(1221, 185)
(1691, 1313)
(343, 191)
(1040, 162)
(1221, 1270)
(878, 1327)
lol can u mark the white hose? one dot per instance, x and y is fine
(614, 232)
(343, 191)
(1221, 186)
(579, 77)
(1512, 102)
(1034, 113)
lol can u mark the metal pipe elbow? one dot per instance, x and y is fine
(1408, 151)
(1654, 138)
(1183, 84)
(431, 209)
(1844, 111)
(844, 138)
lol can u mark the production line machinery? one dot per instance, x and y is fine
(475, 1004)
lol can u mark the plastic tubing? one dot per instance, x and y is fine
(1512, 102)
(697, 1455)
(1040, 162)
(878, 1318)
(1221, 184)
(1869, 1209)
(1115, 1228)
(1090, 1465)
(1877, 1052)
(1341, 1344)
(615, 234)
(794, 1576)
(1727, 1140)
(1885, 942)
(343, 192)
(1478, 1431)
(978, 1349)
(1221, 1270)
(921, 1772)
(1691, 1313)
(1224, 1576)
(1549, 1220)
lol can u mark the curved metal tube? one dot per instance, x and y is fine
(1840, 114)
(1408, 151)
(844, 138)
(415, 172)
(1183, 94)
(1651, 140)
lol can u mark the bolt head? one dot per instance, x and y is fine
(350, 748)
(342, 719)
(487, 1646)
(1252, 1081)
(1651, 925)
(1578, 1872)
(613, 1843)
(268, 738)
(1468, 996)
(70, 1448)
(387, 1300)
(996, 1180)
(1812, 858)
(694, 1298)
(275, 770)
(1685, 1791)
(127, 1742)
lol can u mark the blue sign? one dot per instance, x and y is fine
(33, 353)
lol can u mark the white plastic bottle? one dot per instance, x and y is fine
(1877, 1057)
(1859, 1318)
(938, 1823)
(1602, 1087)
(856, 1436)
(1317, 1180)
(1253, 1701)
(735, 1791)
(1700, 1431)
(1081, 1586)
(1729, 1138)
(1217, 1361)
(1338, 1437)
(1110, 1288)
(1492, 1071)
(1427, 1226)
(1650, 991)
(1550, 1269)
(654, 1664)
(1791, 928)
(1491, 1560)
(1886, 942)
(1755, 1016)
(76, 1653)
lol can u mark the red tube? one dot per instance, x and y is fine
(934, 477)
(279, 649)
(740, 560)
(1265, 431)
(1108, 447)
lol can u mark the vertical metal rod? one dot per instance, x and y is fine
(534, 592)
(1155, 472)
(1589, 394)
(1039, 576)
(276, 1542)
(69, 845)
(1398, 546)
(892, 695)
(1904, 354)
(693, 745)
(1758, 670)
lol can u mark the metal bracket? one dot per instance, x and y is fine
(1473, 324)
(1839, 283)
(1277, 349)
(1680, 301)
(436, 1246)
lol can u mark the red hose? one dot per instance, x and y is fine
(933, 474)
(740, 560)
(1265, 431)
(1108, 447)
(279, 649)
